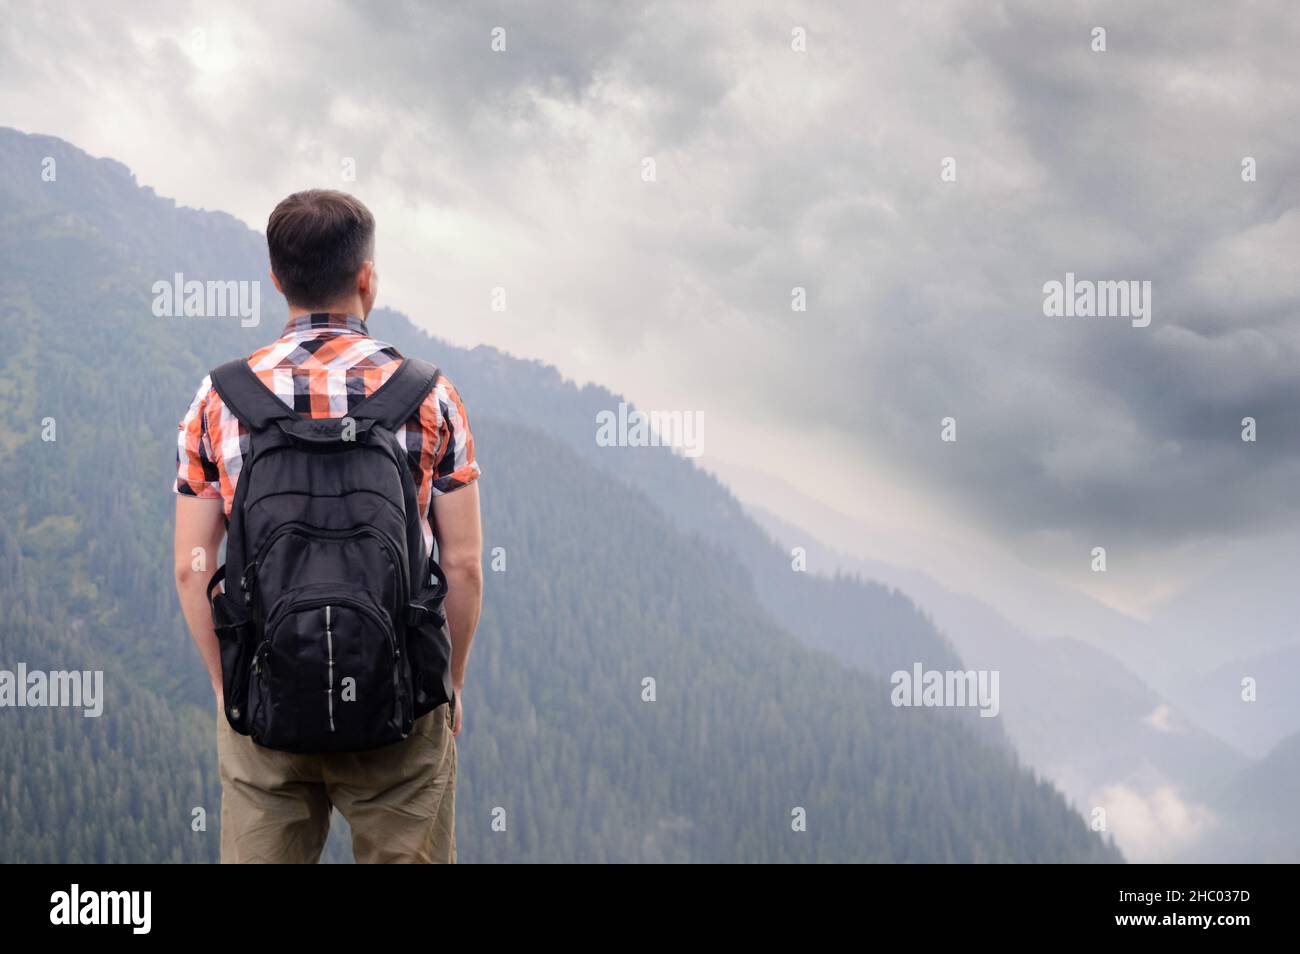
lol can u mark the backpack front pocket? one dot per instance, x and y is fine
(328, 676)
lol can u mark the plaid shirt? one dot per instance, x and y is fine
(323, 365)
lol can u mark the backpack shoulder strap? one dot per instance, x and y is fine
(248, 398)
(398, 399)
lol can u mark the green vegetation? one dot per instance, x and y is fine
(606, 585)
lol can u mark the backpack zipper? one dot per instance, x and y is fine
(329, 648)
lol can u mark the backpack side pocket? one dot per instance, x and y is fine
(234, 640)
(428, 644)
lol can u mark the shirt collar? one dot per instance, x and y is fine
(325, 323)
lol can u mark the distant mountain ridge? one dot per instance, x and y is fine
(1103, 735)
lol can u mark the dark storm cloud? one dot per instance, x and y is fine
(1129, 168)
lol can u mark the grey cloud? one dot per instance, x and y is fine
(822, 170)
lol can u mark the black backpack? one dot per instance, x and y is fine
(331, 627)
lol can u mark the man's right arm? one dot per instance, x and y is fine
(200, 528)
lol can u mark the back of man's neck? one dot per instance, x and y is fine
(353, 309)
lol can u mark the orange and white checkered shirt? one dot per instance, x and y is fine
(322, 366)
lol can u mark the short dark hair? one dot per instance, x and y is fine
(318, 240)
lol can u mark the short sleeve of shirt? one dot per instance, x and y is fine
(197, 474)
(455, 465)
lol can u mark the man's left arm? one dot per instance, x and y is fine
(200, 528)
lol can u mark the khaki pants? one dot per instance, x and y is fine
(400, 799)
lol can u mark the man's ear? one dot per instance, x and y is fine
(367, 280)
(275, 281)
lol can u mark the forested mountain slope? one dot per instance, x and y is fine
(600, 591)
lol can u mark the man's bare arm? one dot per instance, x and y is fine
(200, 528)
(460, 554)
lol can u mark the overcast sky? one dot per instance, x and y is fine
(775, 168)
